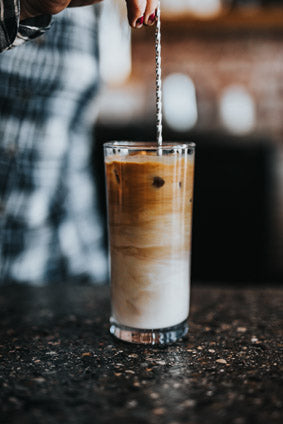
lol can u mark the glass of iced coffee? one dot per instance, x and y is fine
(150, 198)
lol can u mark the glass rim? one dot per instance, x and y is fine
(149, 145)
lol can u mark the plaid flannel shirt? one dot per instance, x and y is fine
(50, 227)
(12, 31)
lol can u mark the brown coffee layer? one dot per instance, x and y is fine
(150, 204)
(142, 187)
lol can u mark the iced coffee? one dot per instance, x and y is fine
(149, 195)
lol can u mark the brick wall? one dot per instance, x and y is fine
(215, 62)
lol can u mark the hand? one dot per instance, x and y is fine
(77, 3)
(32, 8)
(141, 12)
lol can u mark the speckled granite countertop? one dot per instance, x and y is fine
(58, 364)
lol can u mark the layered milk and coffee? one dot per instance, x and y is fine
(150, 214)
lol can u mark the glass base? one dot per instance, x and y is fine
(151, 337)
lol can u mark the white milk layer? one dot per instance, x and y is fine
(150, 294)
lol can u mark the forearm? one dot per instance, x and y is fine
(33, 8)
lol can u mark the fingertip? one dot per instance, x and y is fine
(140, 22)
(136, 12)
(150, 19)
(137, 23)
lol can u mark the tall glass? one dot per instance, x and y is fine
(150, 197)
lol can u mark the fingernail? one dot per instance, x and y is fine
(140, 21)
(151, 19)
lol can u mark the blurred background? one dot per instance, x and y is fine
(223, 89)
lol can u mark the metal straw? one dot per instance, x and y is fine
(158, 80)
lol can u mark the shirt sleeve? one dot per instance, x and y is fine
(12, 31)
